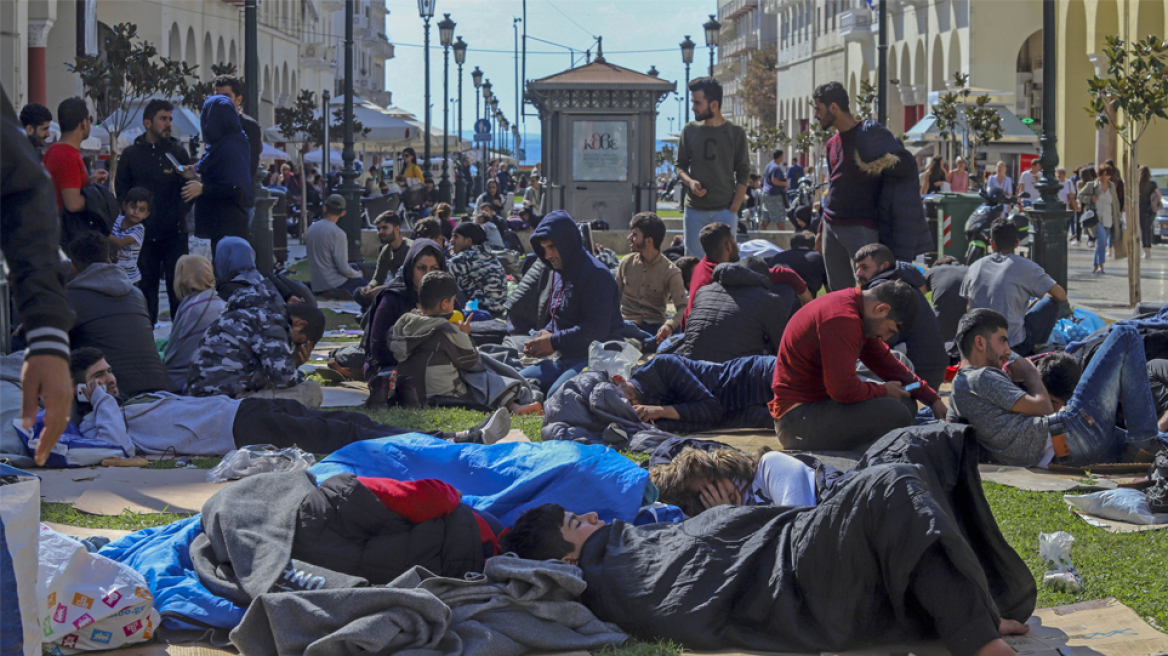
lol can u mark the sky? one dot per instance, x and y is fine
(657, 26)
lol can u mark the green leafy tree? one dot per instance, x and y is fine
(985, 126)
(666, 155)
(1130, 97)
(122, 76)
(948, 116)
(866, 101)
(767, 138)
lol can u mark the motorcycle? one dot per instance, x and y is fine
(801, 202)
(977, 228)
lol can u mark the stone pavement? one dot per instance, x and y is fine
(1107, 295)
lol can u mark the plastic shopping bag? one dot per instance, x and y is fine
(1055, 550)
(20, 511)
(614, 358)
(93, 603)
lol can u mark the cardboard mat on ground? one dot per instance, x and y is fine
(1116, 526)
(1042, 480)
(112, 490)
(345, 395)
(1103, 627)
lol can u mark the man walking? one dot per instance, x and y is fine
(146, 164)
(713, 164)
(873, 190)
(774, 190)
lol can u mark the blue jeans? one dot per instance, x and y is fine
(695, 220)
(1117, 375)
(1102, 238)
(1039, 323)
(551, 374)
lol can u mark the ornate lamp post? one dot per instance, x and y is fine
(446, 36)
(348, 188)
(653, 71)
(687, 52)
(461, 183)
(487, 143)
(711, 27)
(1051, 215)
(426, 11)
(477, 77)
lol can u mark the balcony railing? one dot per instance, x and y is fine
(856, 25)
(739, 45)
(732, 9)
(794, 53)
(317, 55)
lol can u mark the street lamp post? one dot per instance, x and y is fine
(426, 11)
(446, 36)
(1051, 215)
(325, 151)
(711, 27)
(487, 143)
(261, 223)
(477, 77)
(882, 64)
(687, 52)
(460, 185)
(349, 188)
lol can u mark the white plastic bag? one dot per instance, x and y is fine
(93, 603)
(20, 509)
(259, 459)
(1123, 505)
(1055, 550)
(613, 358)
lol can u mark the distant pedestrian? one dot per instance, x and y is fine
(36, 119)
(999, 180)
(713, 162)
(959, 177)
(774, 189)
(1150, 203)
(1026, 189)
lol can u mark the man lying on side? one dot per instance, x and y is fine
(1029, 426)
(162, 422)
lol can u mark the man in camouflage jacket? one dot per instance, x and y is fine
(257, 343)
(477, 270)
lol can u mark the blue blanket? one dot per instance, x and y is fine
(504, 479)
(162, 555)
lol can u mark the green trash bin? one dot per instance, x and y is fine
(953, 211)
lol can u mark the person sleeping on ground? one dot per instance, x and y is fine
(884, 559)
(1073, 424)
(161, 422)
(680, 395)
(698, 480)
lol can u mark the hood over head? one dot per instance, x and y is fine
(219, 119)
(404, 280)
(562, 230)
(108, 279)
(235, 258)
(735, 274)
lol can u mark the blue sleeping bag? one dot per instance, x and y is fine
(504, 479)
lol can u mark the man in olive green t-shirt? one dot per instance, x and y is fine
(712, 162)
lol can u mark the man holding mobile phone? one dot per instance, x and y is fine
(150, 162)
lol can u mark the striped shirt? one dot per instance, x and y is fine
(128, 255)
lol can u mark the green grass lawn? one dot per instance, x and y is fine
(669, 214)
(1130, 567)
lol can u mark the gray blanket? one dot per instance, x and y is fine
(514, 607)
(591, 409)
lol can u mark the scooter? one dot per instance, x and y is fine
(977, 228)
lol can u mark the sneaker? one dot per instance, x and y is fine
(1074, 242)
(496, 427)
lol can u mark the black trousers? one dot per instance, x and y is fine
(286, 422)
(156, 260)
(833, 426)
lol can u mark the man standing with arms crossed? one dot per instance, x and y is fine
(712, 162)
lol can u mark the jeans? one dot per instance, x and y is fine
(840, 243)
(833, 426)
(156, 260)
(695, 220)
(1117, 375)
(1039, 323)
(1102, 238)
(551, 374)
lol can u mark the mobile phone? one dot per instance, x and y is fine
(173, 160)
(909, 388)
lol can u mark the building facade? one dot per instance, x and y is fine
(745, 30)
(300, 44)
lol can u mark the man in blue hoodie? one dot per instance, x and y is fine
(584, 304)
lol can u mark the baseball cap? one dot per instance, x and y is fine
(335, 202)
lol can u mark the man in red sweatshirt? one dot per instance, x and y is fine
(820, 402)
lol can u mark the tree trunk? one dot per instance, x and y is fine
(113, 160)
(1132, 209)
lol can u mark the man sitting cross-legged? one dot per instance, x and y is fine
(647, 280)
(883, 559)
(162, 422)
(689, 396)
(820, 402)
(1005, 282)
(1029, 426)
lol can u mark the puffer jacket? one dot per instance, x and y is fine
(343, 526)
(111, 317)
(248, 348)
(737, 315)
(923, 342)
(591, 409)
(900, 216)
(585, 300)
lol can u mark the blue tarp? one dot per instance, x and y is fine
(504, 479)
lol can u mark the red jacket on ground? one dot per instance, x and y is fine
(818, 353)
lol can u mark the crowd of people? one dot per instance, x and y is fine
(839, 343)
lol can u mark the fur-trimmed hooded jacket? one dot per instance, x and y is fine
(900, 216)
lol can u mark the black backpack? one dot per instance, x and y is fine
(100, 213)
